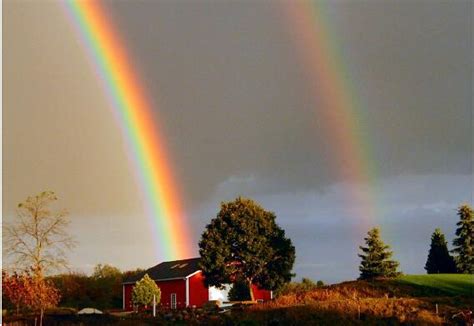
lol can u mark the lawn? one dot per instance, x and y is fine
(436, 284)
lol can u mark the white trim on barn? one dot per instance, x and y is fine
(187, 286)
(159, 280)
(123, 297)
(187, 291)
(168, 279)
(192, 274)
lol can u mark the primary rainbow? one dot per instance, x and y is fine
(137, 120)
(341, 115)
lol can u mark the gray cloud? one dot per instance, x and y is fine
(233, 90)
(230, 92)
(327, 233)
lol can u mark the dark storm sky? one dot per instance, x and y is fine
(230, 91)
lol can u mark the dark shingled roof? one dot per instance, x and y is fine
(168, 270)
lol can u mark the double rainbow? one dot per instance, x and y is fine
(339, 110)
(137, 119)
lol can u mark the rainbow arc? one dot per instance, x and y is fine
(338, 107)
(136, 118)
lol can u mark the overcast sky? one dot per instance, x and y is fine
(238, 118)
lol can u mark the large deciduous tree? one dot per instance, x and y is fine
(464, 241)
(38, 238)
(376, 258)
(245, 243)
(439, 260)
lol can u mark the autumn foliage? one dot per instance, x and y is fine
(41, 294)
(14, 288)
(29, 290)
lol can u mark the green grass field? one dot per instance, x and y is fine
(435, 284)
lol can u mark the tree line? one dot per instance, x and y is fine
(102, 289)
(242, 245)
(376, 262)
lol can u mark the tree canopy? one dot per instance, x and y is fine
(376, 258)
(439, 260)
(464, 241)
(101, 290)
(144, 290)
(244, 243)
(102, 271)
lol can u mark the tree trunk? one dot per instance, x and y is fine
(252, 297)
(41, 317)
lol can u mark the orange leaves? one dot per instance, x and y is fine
(30, 291)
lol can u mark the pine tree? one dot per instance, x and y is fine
(464, 243)
(376, 258)
(240, 291)
(439, 260)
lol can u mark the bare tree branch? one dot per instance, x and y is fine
(38, 238)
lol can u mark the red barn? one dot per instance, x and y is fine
(182, 285)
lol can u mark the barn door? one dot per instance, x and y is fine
(173, 300)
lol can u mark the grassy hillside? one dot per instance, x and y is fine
(440, 284)
(409, 299)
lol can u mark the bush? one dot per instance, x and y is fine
(212, 305)
(305, 285)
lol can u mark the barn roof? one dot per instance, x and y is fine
(167, 270)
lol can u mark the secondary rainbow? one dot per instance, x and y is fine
(338, 108)
(138, 122)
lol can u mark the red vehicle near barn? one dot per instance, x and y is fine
(182, 285)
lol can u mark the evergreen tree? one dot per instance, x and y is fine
(439, 260)
(464, 243)
(376, 258)
(239, 291)
(245, 243)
